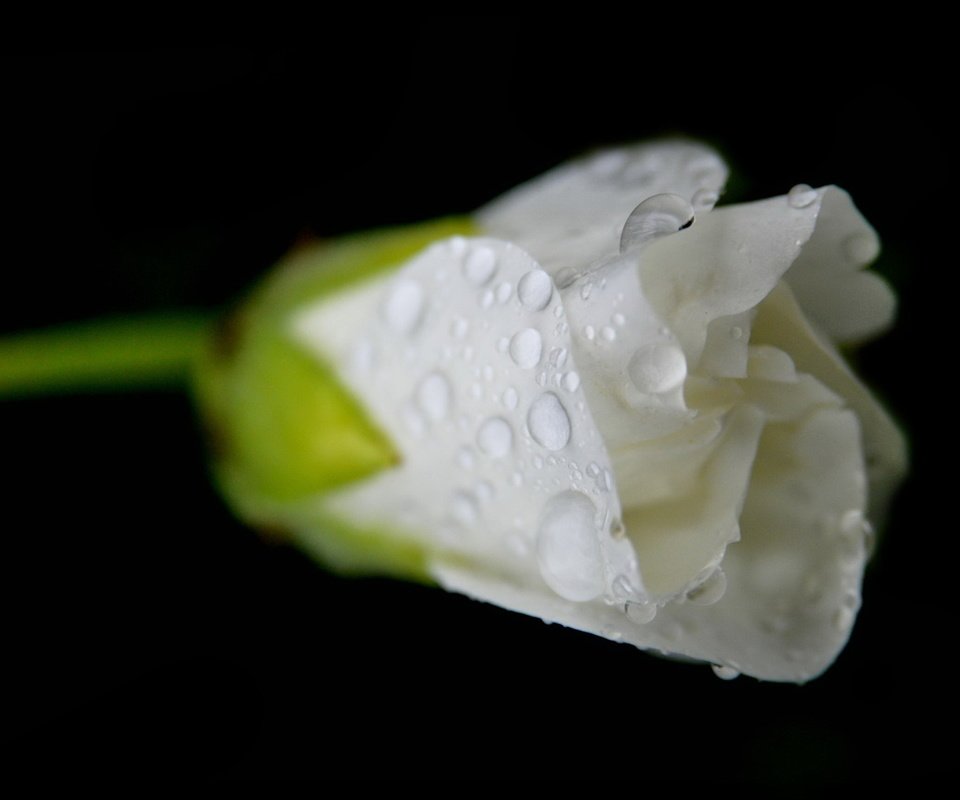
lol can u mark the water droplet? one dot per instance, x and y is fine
(585, 290)
(484, 491)
(479, 265)
(548, 422)
(710, 591)
(486, 298)
(403, 308)
(801, 196)
(619, 320)
(568, 549)
(510, 398)
(504, 290)
(537, 462)
(656, 216)
(617, 529)
(459, 328)
(608, 333)
(736, 332)
(705, 198)
(657, 368)
(463, 508)
(623, 589)
(526, 347)
(565, 277)
(433, 396)
(465, 458)
(495, 437)
(860, 248)
(640, 613)
(589, 332)
(535, 290)
(724, 672)
(558, 357)
(571, 381)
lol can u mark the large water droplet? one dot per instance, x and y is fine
(526, 348)
(433, 396)
(479, 265)
(548, 422)
(404, 307)
(495, 437)
(568, 548)
(656, 216)
(535, 289)
(801, 196)
(657, 368)
(710, 591)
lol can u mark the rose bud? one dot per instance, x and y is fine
(599, 401)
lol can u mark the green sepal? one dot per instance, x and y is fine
(284, 430)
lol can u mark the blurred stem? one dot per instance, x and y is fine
(110, 354)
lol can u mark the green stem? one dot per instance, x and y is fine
(111, 354)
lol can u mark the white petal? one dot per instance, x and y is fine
(780, 322)
(574, 214)
(846, 303)
(502, 465)
(724, 265)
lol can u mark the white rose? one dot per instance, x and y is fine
(610, 406)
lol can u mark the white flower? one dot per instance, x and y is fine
(613, 407)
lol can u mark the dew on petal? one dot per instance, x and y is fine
(640, 613)
(571, 381)
(801, 196)
(535, 290)
(403, 308)
(510, 398)
(568, 548)
(724, 672)
(433, 396)
(504, 290)
(526, 348)
(657, 216)
(548, 422)
(495, 437)
(480, 265)
(657, 368)
(710, 591)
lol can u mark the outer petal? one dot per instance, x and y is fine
(574, 214)
(464, 358)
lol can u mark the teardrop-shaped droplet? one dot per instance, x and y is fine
(548, 422)
(656, 216)
(535, 289)
(710, 591)
(526, 348)
(724, 672)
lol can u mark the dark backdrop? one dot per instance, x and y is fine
(145, 630)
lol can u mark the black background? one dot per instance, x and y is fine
(145, 631)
